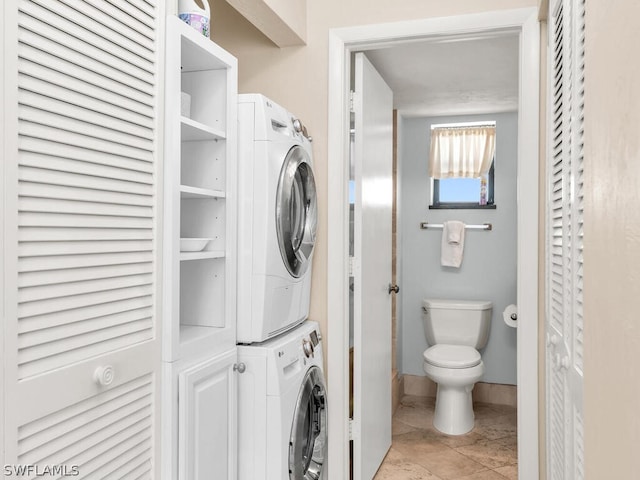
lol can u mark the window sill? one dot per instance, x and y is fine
(461, 206)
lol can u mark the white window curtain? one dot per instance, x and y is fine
(461, 151)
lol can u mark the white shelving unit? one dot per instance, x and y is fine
(200, 182)
(199, 296)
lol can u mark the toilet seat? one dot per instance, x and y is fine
(452, 356)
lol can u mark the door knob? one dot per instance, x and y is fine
(394, 288)
(556, 361)
(561, 362)
(104, 375)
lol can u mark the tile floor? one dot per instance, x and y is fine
(419, 451)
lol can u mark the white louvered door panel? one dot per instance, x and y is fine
(576, 368)
(80, 232)
(556, 245)
(564, 358)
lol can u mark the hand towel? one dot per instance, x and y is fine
(452, 244)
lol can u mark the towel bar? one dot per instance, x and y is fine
(484, 226)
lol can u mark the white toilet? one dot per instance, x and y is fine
(455, 330)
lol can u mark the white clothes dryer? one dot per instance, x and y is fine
(282, 408)
(277, 219)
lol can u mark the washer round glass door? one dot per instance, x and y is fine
(308, 442)
(296, 211)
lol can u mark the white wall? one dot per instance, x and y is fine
(488, 270)
(612, 240)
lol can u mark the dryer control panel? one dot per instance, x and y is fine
(315, 338)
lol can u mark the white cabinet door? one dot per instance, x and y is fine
(564, 323)
(208, 420)
(81, 344)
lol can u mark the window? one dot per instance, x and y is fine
(461, 192)
(461, 165)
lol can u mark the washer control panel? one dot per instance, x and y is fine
(309, 344)
(299, 127)
(307, 348)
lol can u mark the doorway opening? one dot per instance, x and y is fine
(343, 42)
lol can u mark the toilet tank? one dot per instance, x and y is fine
(457, 322)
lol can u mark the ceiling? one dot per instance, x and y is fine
(452, 77)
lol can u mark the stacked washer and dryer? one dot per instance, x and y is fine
(282, 413)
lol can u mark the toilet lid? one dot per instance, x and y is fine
(452, 356)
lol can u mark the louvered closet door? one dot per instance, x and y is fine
(564, 357)
(82, 349)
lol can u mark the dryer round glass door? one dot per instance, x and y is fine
(296, 211)
(308, 442)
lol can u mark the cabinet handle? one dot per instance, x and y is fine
(104, 375)
(239, 367)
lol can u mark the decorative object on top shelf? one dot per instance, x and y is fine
(193, 14)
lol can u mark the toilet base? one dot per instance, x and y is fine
(454, 410)
(454, 405)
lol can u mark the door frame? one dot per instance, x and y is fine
(344, 41)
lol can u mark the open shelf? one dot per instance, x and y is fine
(198, 53)
(192, 130)
(204, 218)
(202, 287)
(185, 256)
(196, 192)
(192, 333)
(203, 164)
(200, 181)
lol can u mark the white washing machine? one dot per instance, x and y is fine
(282, 408)
(277, 219)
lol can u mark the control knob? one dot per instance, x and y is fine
(307, 348)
